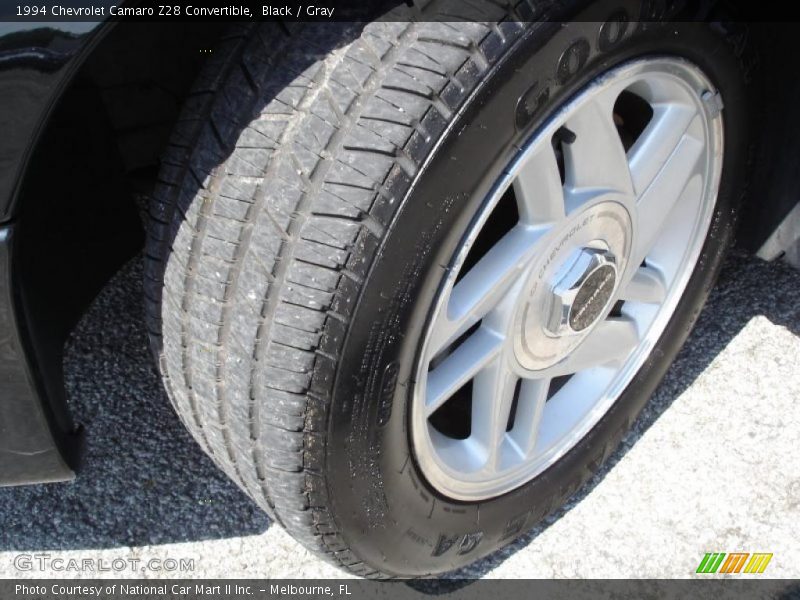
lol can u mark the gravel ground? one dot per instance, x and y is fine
(711, 465)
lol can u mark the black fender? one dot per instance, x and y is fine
(38, 441)
(85, 111)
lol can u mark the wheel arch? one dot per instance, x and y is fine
(94, 135)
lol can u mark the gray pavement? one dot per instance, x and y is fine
(712, 465)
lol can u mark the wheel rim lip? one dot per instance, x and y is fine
(424, 439)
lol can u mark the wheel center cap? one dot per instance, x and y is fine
(583, 289)
(572, 283)
(592, 297)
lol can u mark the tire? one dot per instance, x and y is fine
(317, 184)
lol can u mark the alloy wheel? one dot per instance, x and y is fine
(567, 277)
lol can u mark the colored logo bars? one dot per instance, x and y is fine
(716, 562)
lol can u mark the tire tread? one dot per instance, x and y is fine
(254, 226)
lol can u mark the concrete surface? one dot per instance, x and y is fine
(711, 466)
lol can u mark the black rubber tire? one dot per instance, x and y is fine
(316, 183)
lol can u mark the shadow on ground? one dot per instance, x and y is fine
(146, 482)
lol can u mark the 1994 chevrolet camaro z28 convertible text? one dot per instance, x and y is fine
(408, 282)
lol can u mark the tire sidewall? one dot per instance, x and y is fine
(389, 515)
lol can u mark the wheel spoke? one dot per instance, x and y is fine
(647, 285)
(566, 408)
(530, 406)
(538, 188)
(460, 366)
(492, 397)
(484, 286)
(658, 142)
(596, 158)
(611, 341)
(658, 200)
